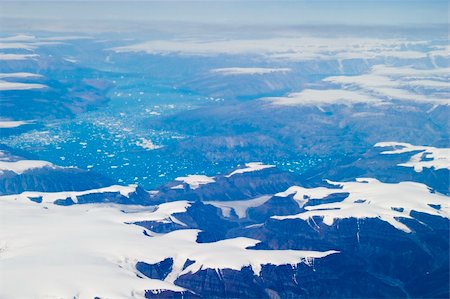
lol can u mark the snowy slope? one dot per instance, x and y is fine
(240, 207)
(370, 198)
(22, 166)
(249, 70)
(194, 180)
(51, 197)
(250, 167)
(91, 250)
(427, 156)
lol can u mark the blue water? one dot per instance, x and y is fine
(109, 140)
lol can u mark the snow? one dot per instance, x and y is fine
(431, 84)
(437, 158)
(292, 48)
(18, 38)
(240, 207)
(403, 94)
(302, 195)
(381, 84)
(443, 51)
(8, 124)
(370, 198)
(325, 96)
(249, 70)
(369, 80)
(250, 167)
(71, 253)
(195, 180)
(15, 45)
(22, 166)
(163, 212)
(66, 38)
(4, 85)
(19, 75)
(87, 251)
(179, 187)
(71, 60)
(51, 197)
(4, 56)
(409, 72)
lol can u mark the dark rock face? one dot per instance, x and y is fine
(156, 271)
(239, 186)
(51, 180)
(64, 97)
(166, 294)
(274, 206)
(207, 218)
(140, 197)
(382, 167)
(250, 86)
(375, 260)
(224, 283)
(46, 179)
(384, 264)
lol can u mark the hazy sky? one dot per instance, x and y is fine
(363, 12)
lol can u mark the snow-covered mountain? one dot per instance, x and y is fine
(99, 243)
(207, 159)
